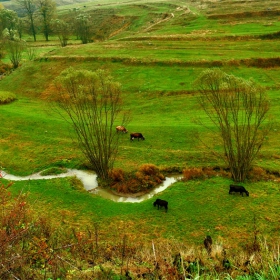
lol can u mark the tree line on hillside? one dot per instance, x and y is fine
(40, 17)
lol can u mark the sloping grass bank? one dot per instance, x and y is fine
(196, 208)
(97, 247)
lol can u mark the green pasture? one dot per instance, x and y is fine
(183, 17)
(196, 208)
(142, 79)
(173, 49)
(163, 107)
(157, 68)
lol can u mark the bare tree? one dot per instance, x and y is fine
(47, 9)
(92, 101)
(83, 26)
(14, 47)
(29, 7)
(63, 31)
(239, 109)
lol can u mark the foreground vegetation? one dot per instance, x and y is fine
(156, 65)
(105, 239)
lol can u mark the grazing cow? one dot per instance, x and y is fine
(121, 128)
(161, 203)
(208, 244)
(236, 188)
(136, 135)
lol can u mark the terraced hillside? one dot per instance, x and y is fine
(161, 50)
(156, 49)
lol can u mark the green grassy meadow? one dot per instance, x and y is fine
(195, 210)
(156, 59)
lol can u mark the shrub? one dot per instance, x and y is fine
(257, 173)
(209, 172)
(117, 174)
(149, 169)
(172, 169)
(193, 173)
(7, 97)
(147, 177)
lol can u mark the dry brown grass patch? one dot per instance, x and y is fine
(147, 177)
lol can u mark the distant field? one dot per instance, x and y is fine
(169, 49)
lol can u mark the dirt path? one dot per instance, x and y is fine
(169, 17)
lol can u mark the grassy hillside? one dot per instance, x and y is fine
(156, 51)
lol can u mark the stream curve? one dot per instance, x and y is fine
(89, 180)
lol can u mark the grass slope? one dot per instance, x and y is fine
(196, 209)
(156, 58)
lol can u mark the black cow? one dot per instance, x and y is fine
(208, 244)
(161, 203)
(236, 188)
(136, 135)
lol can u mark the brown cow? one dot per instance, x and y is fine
(136, 135)
(121, 128)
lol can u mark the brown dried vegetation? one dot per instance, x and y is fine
(204, 173)
(147, 177)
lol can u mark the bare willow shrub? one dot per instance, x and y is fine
(92, 102)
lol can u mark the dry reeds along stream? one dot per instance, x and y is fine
(89, 180)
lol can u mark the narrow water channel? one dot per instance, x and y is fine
(166, 183)
(89, 180)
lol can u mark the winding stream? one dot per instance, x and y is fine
(89, 180)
